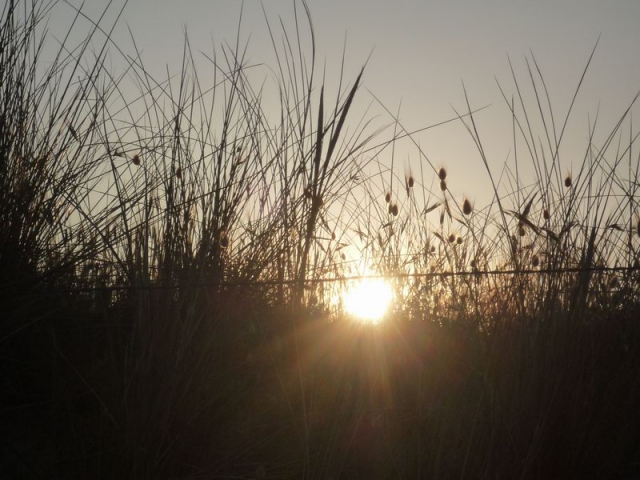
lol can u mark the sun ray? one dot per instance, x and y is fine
(368, 299)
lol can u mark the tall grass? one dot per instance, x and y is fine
(171, 253)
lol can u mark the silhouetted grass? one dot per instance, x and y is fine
(170, 260)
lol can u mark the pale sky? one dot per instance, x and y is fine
(422, 51)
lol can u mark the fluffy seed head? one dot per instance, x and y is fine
(224, 240)
(442, 173)
(567, 181)
(466, 207)
(535, 261)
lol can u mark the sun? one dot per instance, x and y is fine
(368, 299)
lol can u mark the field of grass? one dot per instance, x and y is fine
(172, 253)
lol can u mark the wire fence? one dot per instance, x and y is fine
(328, 280)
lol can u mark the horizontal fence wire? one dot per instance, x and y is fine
(350, 278)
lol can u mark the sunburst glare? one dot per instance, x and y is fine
(368, 299)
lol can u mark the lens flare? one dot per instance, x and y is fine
(368, 299)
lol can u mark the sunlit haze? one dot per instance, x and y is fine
(351, 239)
(368, 299)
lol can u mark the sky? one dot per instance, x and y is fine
(420, 53)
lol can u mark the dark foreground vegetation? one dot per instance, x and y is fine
(170, 253)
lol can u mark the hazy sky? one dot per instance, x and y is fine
(422, 51)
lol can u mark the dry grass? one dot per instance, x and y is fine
(169, 260)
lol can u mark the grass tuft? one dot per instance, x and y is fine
(173, 254)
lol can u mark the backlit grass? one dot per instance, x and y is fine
(173, 259)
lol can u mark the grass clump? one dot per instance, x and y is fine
(170, 262)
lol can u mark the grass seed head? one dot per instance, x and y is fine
(136, 159)
(443, 185)
(535, 261)
(452, 238)
(521, 231)
(410, 181)
(179, 173)
(387, 197)
(224, 240)
(545, 214)
(442, 174)
(459, 240)
(467, 208)
(567, 181)
(394, 209)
